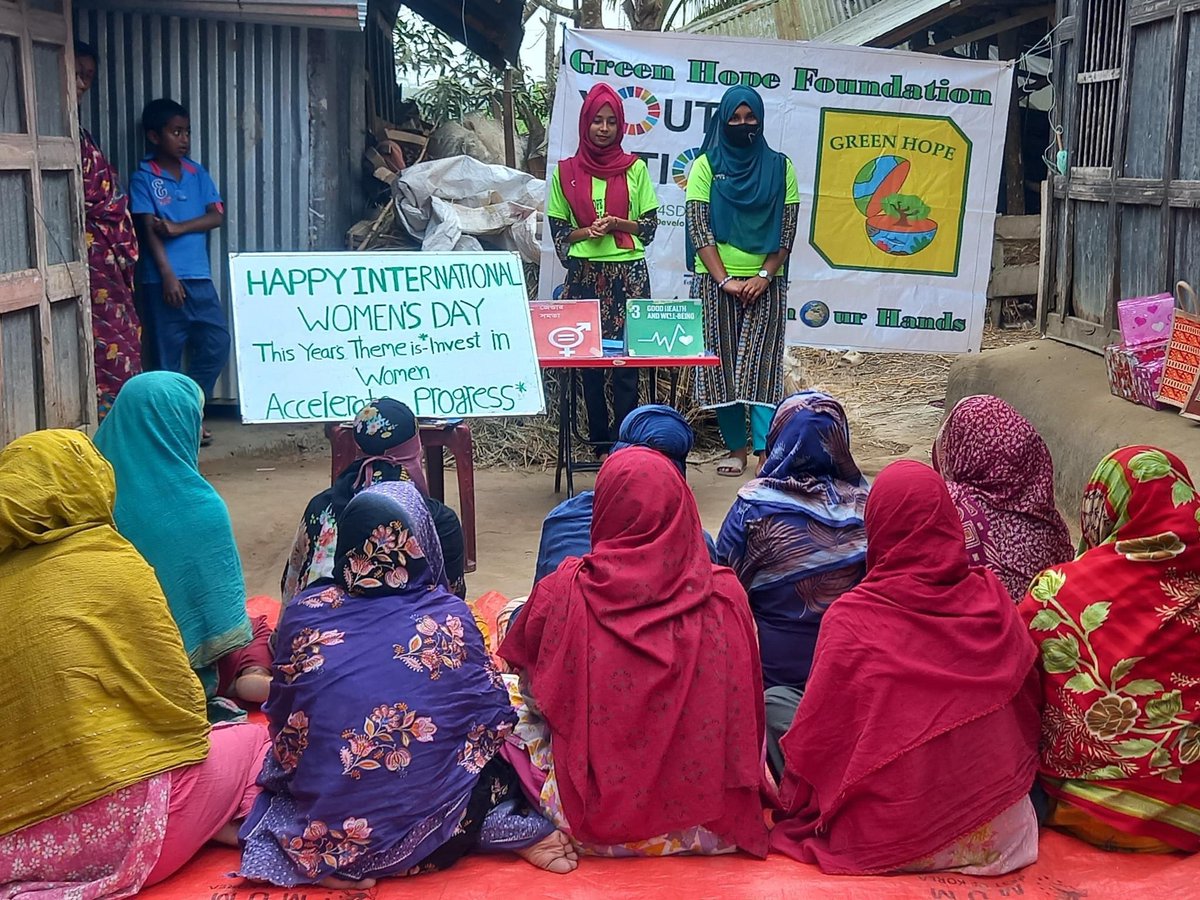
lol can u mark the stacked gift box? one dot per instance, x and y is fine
(1135, 365)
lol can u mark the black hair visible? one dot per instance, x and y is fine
(159, 112)
(84, 50)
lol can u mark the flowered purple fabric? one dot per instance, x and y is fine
(385, 709)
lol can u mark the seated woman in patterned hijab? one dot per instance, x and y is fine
(390, 445)
(1001, 477)
(386, 716)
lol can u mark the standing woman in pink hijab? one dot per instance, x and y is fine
(602, 212)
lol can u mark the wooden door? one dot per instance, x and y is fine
(46, 359)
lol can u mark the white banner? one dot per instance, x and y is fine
(897, 156)
(320, 335)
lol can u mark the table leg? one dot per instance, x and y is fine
(563, 426)
(573, 417)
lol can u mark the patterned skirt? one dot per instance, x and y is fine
(611, 283)
(115, 325)
(747, 339)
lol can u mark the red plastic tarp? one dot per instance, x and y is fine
(1067, 869)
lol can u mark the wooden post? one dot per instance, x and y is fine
(1014, 161)
(510, 123)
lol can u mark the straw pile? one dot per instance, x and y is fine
(894, 399)
(533, 441)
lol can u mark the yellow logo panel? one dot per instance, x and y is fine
(890, 192)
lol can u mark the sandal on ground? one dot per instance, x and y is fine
(206, 437)
(731, 467)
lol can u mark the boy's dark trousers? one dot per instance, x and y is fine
(199, 326)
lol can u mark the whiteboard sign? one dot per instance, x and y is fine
(321, 335)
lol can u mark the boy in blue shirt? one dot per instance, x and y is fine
(175, 205)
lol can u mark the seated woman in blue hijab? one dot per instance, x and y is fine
(567, 530)
(796, 539)
(387, 718)
(389, 442)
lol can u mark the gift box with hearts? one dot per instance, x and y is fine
(1134, 373)
(1145, 320)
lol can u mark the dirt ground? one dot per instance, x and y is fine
(894, 402)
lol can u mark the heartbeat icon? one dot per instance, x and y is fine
(680, 334)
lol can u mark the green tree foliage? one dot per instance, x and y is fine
(452, 82)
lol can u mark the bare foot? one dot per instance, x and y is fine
(228, 835)
(341, 884)
(762, 461)
(253, 685)
(554, 853)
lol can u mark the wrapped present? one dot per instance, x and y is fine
(1182, 366)
(1134, 373)
(1145, 320)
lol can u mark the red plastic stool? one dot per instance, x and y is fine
(457, 439)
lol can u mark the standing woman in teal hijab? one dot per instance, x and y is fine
(181, 527)
(743, 201)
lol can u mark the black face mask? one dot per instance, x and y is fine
(742, 135)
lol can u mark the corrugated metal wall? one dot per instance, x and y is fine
(753, 19)
(247, 88)
(787, 19)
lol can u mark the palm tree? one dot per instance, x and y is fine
(656, 15)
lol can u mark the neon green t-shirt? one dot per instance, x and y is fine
(642, 200)
(737, 262)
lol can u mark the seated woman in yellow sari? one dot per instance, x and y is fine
(103, 718)
(1120, 660)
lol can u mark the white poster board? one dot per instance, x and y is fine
(897, 156)
(320, 335)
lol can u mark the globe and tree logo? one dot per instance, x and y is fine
(890, 192)
(896, 223)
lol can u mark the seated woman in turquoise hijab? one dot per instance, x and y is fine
(180, 525)
(567, 530)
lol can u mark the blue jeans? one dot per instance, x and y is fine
(199, 326)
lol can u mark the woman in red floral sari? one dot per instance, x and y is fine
(1119, 634)
(112, 255)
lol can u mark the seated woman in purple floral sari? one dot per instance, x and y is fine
(796, 540)
(386, 715)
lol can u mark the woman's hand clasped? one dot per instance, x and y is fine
(734, 288)
(751, 289)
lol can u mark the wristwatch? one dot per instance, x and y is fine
(763, 273)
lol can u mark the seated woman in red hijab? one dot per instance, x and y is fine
(915, 746)
(642, 716)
